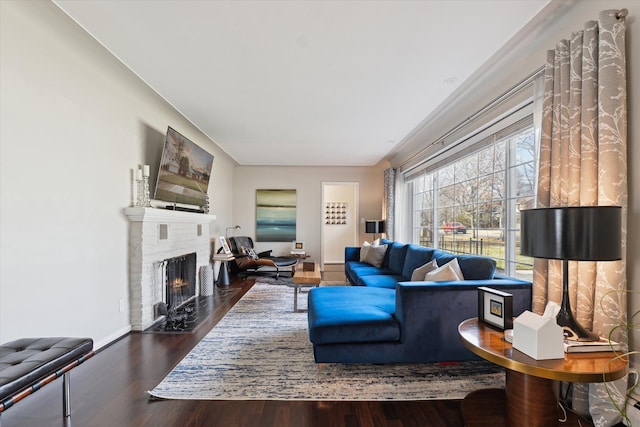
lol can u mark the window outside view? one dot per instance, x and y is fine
(472, 205)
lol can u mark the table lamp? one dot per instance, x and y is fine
(374, 227)
(585, 233)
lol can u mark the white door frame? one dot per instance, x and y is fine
(353, 214)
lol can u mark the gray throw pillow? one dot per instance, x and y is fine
(375, 255)
(365, 248)
(363, 251)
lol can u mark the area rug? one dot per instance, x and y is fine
(261, 351)
(272, 280)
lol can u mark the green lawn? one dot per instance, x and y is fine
(491, 247)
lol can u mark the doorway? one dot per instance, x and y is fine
(339, 222)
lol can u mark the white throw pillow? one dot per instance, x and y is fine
(249, 252)
(420, 272)
(456, 267)
(375, 255)
(448, 272)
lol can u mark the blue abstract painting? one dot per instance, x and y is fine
(275, 215)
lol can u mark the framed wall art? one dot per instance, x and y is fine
(224, 245)
(335, 213)
(275, 215)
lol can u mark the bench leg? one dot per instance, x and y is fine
(66, 395)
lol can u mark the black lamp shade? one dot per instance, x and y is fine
(585, 233)
(374, 226)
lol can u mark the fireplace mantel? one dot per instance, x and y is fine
(166, 215)
(154, 236)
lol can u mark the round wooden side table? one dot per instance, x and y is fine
(530, 394)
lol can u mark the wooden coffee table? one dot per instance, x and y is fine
(304, 279)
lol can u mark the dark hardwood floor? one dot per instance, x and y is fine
(110, 389)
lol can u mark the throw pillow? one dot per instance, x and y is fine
(448, 272)
(363, 251)
(250, 253)
(420, 272)
(375, 255)
(456, 267)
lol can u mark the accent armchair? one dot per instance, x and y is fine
(247, 261)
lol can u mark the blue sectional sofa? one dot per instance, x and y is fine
(402, 259)
(386, 318)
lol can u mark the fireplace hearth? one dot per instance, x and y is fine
(194, 312)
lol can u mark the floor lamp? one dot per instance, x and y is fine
(585, 233)
(374, 227)
(235, 229)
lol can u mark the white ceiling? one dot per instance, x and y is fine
(304, 82)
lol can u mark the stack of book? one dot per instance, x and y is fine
(223, 257)
(591, 346)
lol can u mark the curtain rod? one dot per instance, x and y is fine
(497, 101)
(622, 13)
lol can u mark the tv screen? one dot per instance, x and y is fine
(184, 173)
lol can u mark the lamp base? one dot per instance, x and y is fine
(573, 331)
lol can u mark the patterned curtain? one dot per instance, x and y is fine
(583, 162)
(389, 201)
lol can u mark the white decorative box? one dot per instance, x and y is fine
(538, 337)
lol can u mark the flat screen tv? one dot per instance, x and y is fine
(184, 173)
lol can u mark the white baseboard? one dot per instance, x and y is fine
(111, 338)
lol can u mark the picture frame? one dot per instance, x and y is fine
(297, 246)
(185, 171)
(276, 215)
(224, 245)
(495, 308)
(335, 213)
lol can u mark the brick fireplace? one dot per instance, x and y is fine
(156, 235)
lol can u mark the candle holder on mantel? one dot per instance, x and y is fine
(146, 199)
(143, 198)
(139, 193)
(205, 207)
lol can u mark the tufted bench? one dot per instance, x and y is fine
(28, 364)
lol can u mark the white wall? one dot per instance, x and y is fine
(73, 122)
(308, 183)
(522, 57)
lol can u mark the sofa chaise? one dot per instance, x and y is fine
(387, 318)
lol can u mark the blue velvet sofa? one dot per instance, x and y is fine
(387, 318)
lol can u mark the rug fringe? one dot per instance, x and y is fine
(154, 398)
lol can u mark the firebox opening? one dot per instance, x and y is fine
(180, 279)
